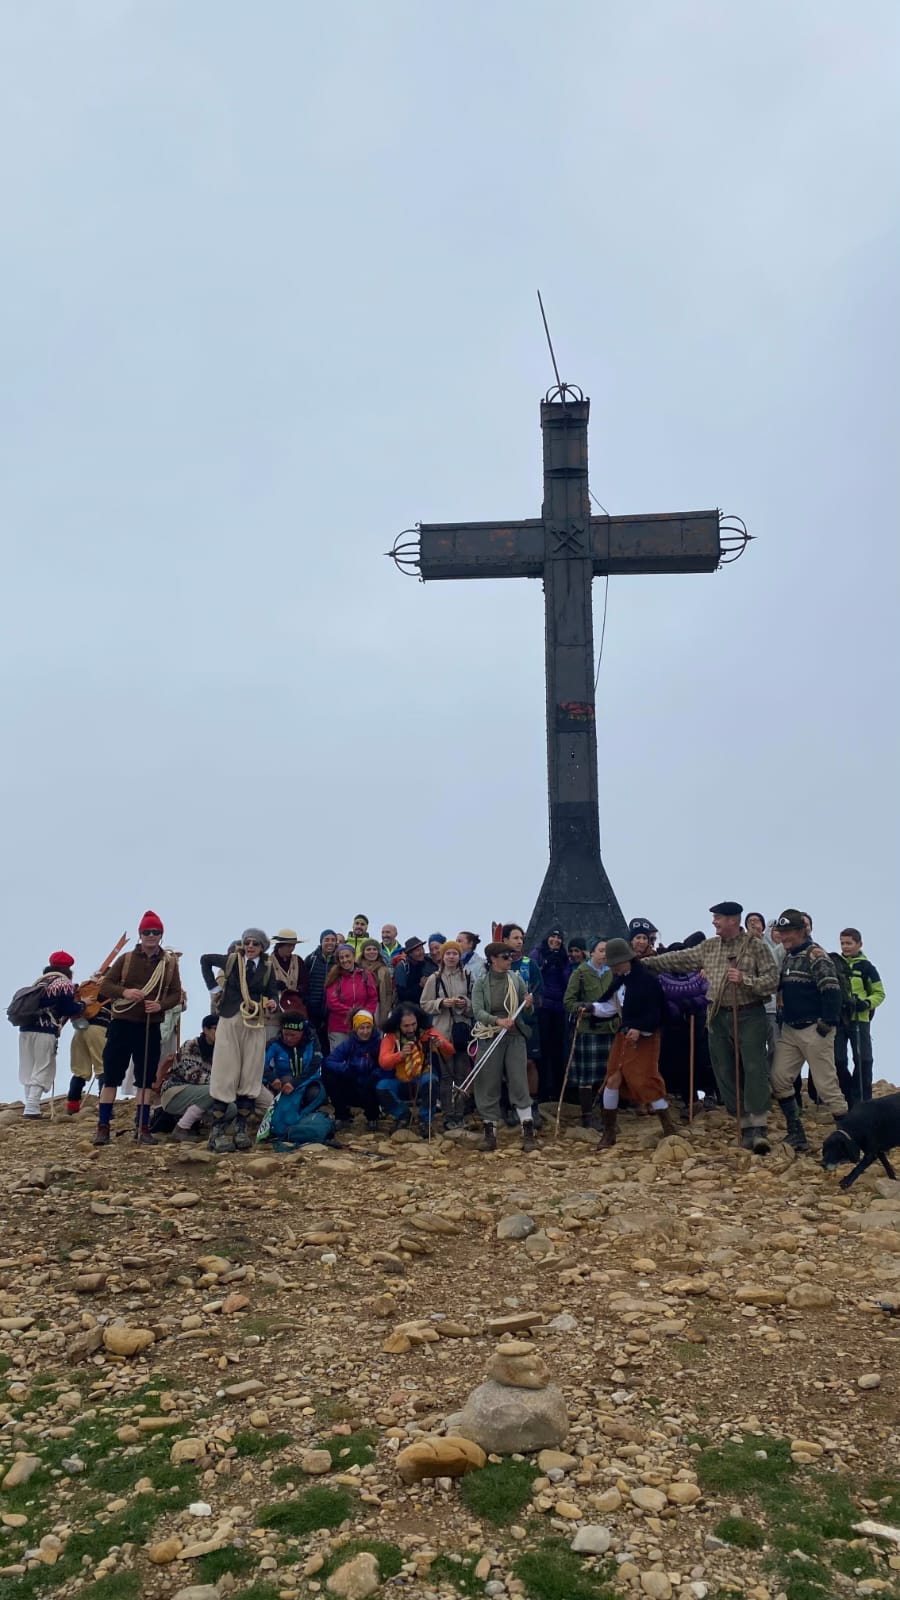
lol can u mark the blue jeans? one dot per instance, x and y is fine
(398, 1099)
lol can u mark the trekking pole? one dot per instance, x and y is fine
(139, 1107)
(691, 1033)
(565, 1081)
(466, 1085)
(735, 1028)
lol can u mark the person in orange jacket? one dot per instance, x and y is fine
(409, 1082)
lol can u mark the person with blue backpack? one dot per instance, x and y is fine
(293, 1073)
(351, 1073)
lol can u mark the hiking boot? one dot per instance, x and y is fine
(529, 1142)
(760, 1145)
(181, 1135)
(796, 1133)
(511, 1117)
(488, 1137)
(587, 1120)
(72, 1108)
(610, 1124)
(537, 1116)
(667, 1122)
(220, 1140)
(102, 1134)
(144, 1136)
(242, 1137)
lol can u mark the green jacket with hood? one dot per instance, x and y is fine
(866, 985)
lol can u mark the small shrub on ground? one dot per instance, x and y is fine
(315, 1508)
(499, 1491)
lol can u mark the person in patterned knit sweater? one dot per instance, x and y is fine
(809, 1001)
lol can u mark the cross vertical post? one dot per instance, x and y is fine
(576, 891)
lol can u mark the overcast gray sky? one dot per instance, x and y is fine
(269, 281)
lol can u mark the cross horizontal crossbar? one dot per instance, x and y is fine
(668, 542)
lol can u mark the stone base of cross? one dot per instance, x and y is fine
(567, 547)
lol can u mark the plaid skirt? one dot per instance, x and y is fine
(590, 1059)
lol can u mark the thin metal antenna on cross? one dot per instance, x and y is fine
(559, 381)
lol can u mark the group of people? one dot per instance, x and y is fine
(424, 1029)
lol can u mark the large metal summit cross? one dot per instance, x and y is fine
(568, 548)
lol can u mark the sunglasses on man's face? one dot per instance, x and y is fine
(254, 942)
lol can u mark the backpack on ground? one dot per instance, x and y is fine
(27, 1003)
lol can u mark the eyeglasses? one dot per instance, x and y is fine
(505, 955)
(255, 943)
(151, 933)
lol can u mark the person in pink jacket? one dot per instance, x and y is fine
(347, 989)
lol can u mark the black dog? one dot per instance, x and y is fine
(865, 1134)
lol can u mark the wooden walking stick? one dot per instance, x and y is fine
(735, 1028)
(565, 1081)
(692, 1028)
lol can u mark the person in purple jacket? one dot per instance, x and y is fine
(551, 957)
(685, 997)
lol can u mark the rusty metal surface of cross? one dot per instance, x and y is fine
(568, 547)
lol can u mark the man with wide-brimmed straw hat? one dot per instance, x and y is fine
(291, 975)
(247, 993)
(741, 974)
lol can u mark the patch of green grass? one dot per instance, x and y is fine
(499, 1491)
(887, 1492)
(552, 1572)
(331, 1408)
(259, 1591)
(315, 1508)
(461, 1574)
(805, 1517)
(251, 1443)
(210, 1568)
(740, 1531)
(857, 1563)
(351, 1449)
(688, 1353)
(756, 1464)
(115, 1586)
(286, 1474)
(803, 1579)
(388, 1556)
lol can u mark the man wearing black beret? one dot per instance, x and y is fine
(735, 964)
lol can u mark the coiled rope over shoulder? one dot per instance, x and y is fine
(152, 988)
(251, 1010)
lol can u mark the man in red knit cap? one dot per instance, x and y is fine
(142, 986)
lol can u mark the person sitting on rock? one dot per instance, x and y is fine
(183, 1088)
(351, 1073)
(292, 1056)
(634, 1057)
(408, 1080)
(298, 1114)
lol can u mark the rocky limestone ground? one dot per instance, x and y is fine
(213, 1369)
